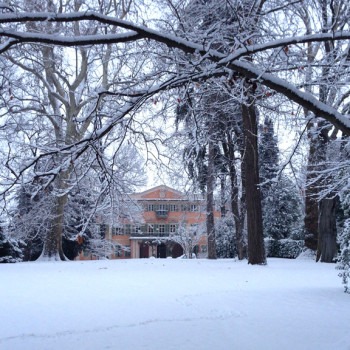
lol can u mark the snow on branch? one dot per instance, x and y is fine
(229, 61)
(145, 32)
(29, 37)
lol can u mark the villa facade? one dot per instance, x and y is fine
(166, 216)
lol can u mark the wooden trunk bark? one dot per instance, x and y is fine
(256, 249)
(320, 215)
(237, 204)
(210, 203)
(311, 200)
(238, 212)
(327, 239)
(52, 249)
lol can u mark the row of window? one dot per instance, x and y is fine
(172, 207)
(145, 229)
(149, 229)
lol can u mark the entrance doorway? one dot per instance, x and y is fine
(161, 251)
(144, 251)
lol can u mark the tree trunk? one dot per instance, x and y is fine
(210, 203)
(311, 201)
(320, 220)
(256, 249)
(222, 196)
(238, 214)
(327, 239)
(52, 249)
(237, 204)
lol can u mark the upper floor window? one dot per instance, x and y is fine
(174, 207)
(163, 207)
(193, 207)
(162, 210)
(117, 231)
(136, 229)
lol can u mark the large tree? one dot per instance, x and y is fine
(219, 104)
(326, 75)
(53, 103)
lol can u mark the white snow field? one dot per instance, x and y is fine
(173, 304)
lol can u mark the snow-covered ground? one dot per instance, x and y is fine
(173, 304)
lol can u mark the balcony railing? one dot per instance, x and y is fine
(162, 214)
(152, 234)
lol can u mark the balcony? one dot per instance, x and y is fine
(162, 214)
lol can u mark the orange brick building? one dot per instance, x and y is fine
(165, 212)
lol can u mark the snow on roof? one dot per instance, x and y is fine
(164, 192)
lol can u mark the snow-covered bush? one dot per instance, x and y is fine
(10, 250)
(344, 256)
(281, 209)
(283, 248)
(224, 238)
(188, 237)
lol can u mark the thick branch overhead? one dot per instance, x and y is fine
(234, 61)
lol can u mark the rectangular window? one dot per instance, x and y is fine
(161, 228)
(162, 210)
(172, 228)
(127, 229)
(163, 207)
(136, 229)
(150, 207)
(193, 207)
(150, 228)
(117, 231)
(174, 207)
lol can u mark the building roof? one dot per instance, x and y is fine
(163, 192)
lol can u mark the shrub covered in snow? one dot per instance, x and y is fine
(224, 238)
(344, 255)
(10, 250)
(283, 248)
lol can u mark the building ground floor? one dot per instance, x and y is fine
(153, 247)
(127, 247)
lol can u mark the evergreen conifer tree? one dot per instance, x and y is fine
(344, 256)
(225, 241)
(268, 156)
(280, 200)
